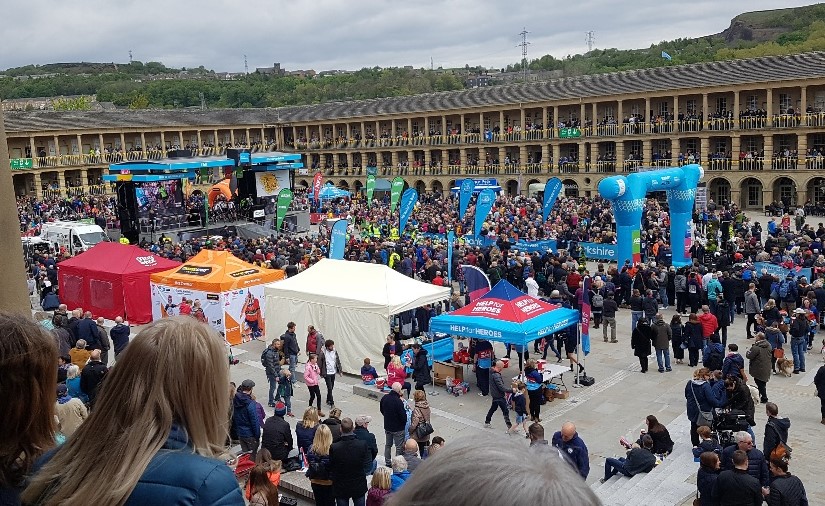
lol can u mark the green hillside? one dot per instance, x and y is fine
(135, 84)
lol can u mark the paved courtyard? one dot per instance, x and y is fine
(613, 407)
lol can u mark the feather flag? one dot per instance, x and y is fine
(477, 282)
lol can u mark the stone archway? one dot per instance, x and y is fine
(816, 191)
(784, 191)
(719, 190)
(357, 186)
(750, 194)
(420, 187)
(512, 187)
(571, 188)
(304, 183)
(437, 187)
(343, 184)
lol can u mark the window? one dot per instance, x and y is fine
(609, 112)
(690, 106)
(721, 146)
(787, 190)
(785, 102)
(721, 192)
(571, 189)
(754, 194)
(636, 109)
(818, 194)
(486, 123)
(751, 144)
(663, 109)
(634, 147)
(721, 105)
(691, 145)
(817, 141)
(784, 142)
(101, 293)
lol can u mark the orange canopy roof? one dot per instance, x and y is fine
(216, 271)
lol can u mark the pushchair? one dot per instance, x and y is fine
(726, 423)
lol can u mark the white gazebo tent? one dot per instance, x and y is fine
(348, 302)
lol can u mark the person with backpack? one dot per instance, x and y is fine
(596, 305)
(788, 293)
(713, 356)
(315, 341)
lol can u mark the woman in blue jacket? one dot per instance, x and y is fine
(535, 387)
(158, 429)
(703, 393)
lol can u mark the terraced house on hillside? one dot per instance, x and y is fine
(757, 126)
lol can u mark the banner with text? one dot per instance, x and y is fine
(464, 195)
(408, 201)
(781, 272)
(284, 201)
(338, 240)
(484, 204)
(317, 183)
(597, 251)
(395, 192)
(551, 193)
(370, 189)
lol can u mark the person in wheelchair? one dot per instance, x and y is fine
(740, 400)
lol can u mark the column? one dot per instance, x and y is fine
(556, 156)
(80, 145)
(594, 153)
(33, 149)
(704, 152)
(735, 148)
(582, 110)
(409, 128)
(736, 107)
(143, 140)
(263, 138)
(501, 122)
(462, 129)
(545, 152)
(427, 130)
(647, 151)
(502, 153)
(364, 161)
(38, 185)
(428, 157)
(803, 106)
(200, 141)
(767, 195)
(462, 155)
(619, 156)
(705, 110)
(349, 164)
(14, 296)
(100, 140)
(393, 133)
(444, 131)
(394, 160)
(248, 139)
(545, 125)
(675, 108)
(363, 134)
(595, 117)
(61, 181)
(522, 158)
(56, 146)
(445, 161)
(768, 140)
(620, 119)
(410, 159)
(769, 107)
(481, 129)
(801, 149)
(122, 142)
(523, 125)
(163, 139)
(84, 178)
(648, 116)
(215, 141)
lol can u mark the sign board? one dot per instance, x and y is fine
(701, 196)
(569, 133)
(21, 163)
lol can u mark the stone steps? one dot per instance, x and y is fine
(668, 484)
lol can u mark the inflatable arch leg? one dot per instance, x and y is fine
(627, 195)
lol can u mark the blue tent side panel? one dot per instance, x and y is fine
(505, 332)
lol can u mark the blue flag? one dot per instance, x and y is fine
(585, 322)
(464, 195)
(408, 201)
(486, 198)
(338, 240)
(551, 193)
(666, 56)
(450, 241)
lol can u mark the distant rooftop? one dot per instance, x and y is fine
(756, 71)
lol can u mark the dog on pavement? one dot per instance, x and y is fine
(784, 366)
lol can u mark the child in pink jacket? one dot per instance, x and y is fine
(312, 375)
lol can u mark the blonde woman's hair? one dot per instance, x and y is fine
(322, 441)
(396, 361)
(701, 373)
(173, 372)
(311, 418)
(381, 478)
(72, 372)
(419, 395)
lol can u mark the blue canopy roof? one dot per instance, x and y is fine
(331, 192)
(506, 314)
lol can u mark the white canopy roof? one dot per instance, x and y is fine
(358, 285)
(348, 302)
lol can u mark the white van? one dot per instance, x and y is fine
(75, 236)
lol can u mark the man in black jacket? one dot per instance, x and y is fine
(395, 420)
(497, 391)
(421, 367)
(362, 432)
(819, 383)
(120, 336)
(348, 460)
(92, 376)
(609, 308)
(735, 487)
(277, 435)
(291, 348)
(756, 466)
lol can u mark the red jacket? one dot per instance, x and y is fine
(709, 324)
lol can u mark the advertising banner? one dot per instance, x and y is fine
(338, 240)
(551, 193)
(243, 314)
(464, 195)
(206, 307)
(370, 189)
(270, 183)
(482, 241)
(636, 236)
(317, 183)
(485, 202)
(596, 251)
(781, 272)
(408, 201)
(585, 328)
(450, 242)
(395, 192)
(284, 201)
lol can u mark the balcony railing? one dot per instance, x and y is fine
(815, 163)
(718, 163)
(784, 163)
(786, 120)
(752, 164)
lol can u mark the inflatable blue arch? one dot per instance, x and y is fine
(627, 195)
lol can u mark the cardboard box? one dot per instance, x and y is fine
(442, 370)
(561, 394)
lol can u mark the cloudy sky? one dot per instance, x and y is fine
(339, 34)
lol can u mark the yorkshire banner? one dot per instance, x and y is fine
(596, 251)
(486, 199)
(408, 201)
(370, 189)
(551, 193)
(464, 195)
(395, 192)
(317, 183)
(338, 240)
(484, 241)
(284, 201)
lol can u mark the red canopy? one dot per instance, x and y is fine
(110, 280)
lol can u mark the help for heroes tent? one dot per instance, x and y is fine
(348, 302)
(228, 290)
(111, 280)
(506, 314)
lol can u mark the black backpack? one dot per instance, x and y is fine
(714, 361)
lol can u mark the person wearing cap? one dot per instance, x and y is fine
(277, 435)
(245, 421)
(799, 338)
(362, 433)
(70, 411)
